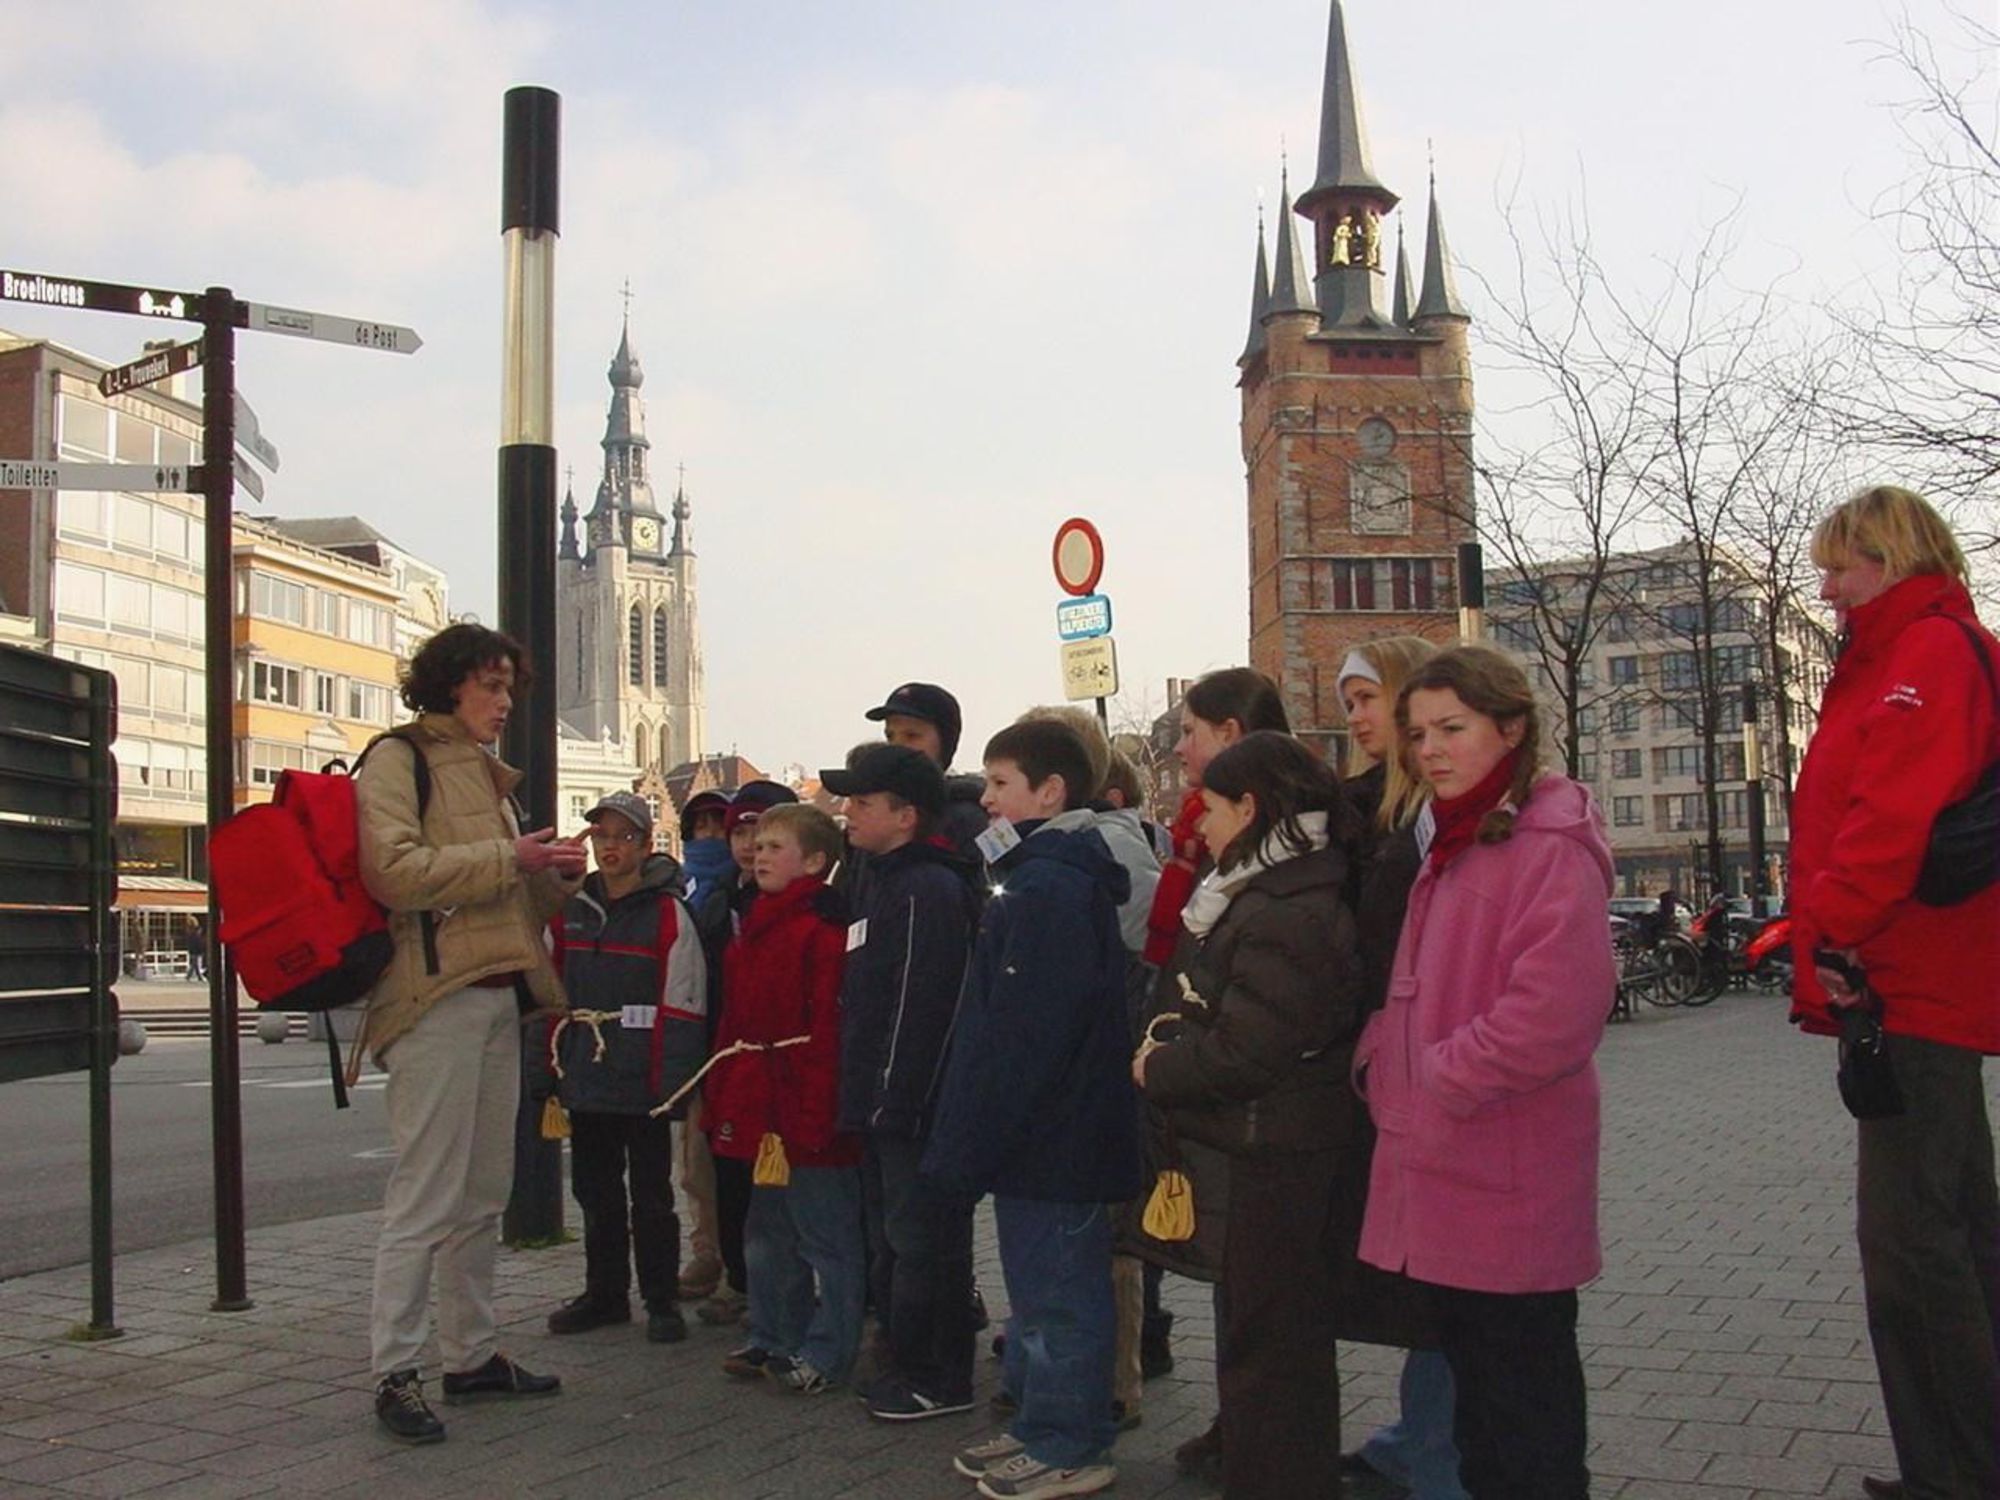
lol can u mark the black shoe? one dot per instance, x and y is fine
(581, 1314)
(1156, 1352)
(899, 1401)
(1366, 1482)
(666, 1326)
(1882, 1489)
(499, 1376)
(1202, 1456)
(1123, 1419)
(980, 1321)
(746, 1363)
(400, 1407)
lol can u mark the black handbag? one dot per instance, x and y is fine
(1963, 858)
(1867, 1075)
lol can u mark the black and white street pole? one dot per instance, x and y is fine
(529, 193)
(1753, 805)
(1471, 592)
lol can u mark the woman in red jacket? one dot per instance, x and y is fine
(1907, 725)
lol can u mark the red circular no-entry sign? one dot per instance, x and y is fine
(1078, 556)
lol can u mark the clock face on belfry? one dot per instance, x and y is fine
(645, 533)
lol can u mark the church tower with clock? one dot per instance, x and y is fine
(628, 633)
(1356, 422)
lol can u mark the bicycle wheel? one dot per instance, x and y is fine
(1681, 971)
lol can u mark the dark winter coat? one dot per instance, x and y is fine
(719, 910)
(906, 954)
(1380, 880)
(1269, 1017)
(1037, 1099)
(638, 955)
(781, 979)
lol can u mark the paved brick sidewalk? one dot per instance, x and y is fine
(1724, 1343)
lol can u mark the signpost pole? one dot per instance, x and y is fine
(103, 1005)
(218, 443)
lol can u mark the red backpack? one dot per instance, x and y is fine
(301, 926)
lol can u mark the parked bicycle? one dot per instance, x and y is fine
(1655, 964)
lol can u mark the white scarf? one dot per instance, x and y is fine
(1219, 887)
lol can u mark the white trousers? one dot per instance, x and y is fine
(454, 1087)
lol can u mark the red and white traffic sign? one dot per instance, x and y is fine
(1079, 556)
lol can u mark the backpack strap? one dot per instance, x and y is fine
(421, 769)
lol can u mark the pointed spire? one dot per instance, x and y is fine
(1406, 291)
(1343, 138)
(625, 373)
(1440, 297)
(682, 511)
(567, 550)
(1291, 291)
(1260, 301)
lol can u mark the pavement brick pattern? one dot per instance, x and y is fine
(1724, 1344)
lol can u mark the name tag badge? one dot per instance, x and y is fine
(997, 840)
(638, 1017)
(857, 934)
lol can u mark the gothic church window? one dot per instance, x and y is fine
(660, 647)
(642, 742)
(635, 644)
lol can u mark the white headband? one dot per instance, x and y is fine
(1360, 666)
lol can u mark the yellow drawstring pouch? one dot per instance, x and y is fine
(772, 1170)
(1169, 1215)
(555, 1120)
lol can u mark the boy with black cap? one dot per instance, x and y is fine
(925, 717)
(636, 1031)
(906, 953)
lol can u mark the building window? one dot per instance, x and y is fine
(1676, 760)
(273, 682)
(1626, 765)
(81, 513)
(660, 647)
(135, 440)
(367, 624)
(1403, 584)
(80, 593)
(1624, 717)
(1679, 813)
(1624, 671)
(325, 693)
(1680, 671)
(635, 645)
(266, 761)
(131, 603)
(367, 702)
(1627, 812)
(86, 429)
(277, 599)
(642, 744)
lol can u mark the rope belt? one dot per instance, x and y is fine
(594, 1019)
(730, 1051)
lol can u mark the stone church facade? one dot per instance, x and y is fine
(628, 627)
(1356, 422)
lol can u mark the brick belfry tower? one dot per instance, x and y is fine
(1357, 424)
(628, 632)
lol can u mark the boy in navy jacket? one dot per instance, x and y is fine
(1037, 1109)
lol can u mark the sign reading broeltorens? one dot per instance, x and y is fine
(137, 479)
(1079, 556)
(1080, 619)
(1090, 668)
(98, 296)
(263, 318)
(250, 437)
(150, 368)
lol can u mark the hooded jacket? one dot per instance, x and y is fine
(1037, 1099)
(638, 955)
(1479, 1073)
(906, 955)
(1906, 726)
(1274, 1002)
(1124, 834)
(781, 979)
(460, 910)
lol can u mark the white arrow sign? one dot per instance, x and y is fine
(138, 479)
(250, 439)
(247, 476)
(263, 318)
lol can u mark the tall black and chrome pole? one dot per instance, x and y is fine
(529, 227)
(1471, 592)
(1753, 802)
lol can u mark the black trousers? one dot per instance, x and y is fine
(1520, 1414)
(1275, 1368)
(622, 1171)
(920, 1268)
(1929, 1225)
(732, 1210)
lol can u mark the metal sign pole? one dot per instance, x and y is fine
(103, 1005)
(218, 443)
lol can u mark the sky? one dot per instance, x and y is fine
(912, 282)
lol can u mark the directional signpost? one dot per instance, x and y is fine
(252, 440)
(220, 315)
(1090, 670)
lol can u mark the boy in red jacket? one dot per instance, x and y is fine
(781, 1002)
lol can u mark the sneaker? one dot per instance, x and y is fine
(724, 1307)
(796, 1377)
(581, 1314)
(899, 1401)
(499, 1376)
(400, 1407)
(665, 1325)
(981, 1459)
(1202, 1456)
(1022, 1476)
(746, 1363)
(700, 1277)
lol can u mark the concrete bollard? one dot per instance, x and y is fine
(131, 1037)
(273, 1027)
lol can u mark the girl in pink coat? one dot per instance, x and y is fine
(1479, 1076)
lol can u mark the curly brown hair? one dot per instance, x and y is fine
(431, 681)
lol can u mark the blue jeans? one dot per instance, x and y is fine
(810, 1227)
(1417, 1450)
(921, 1235)
(1061, 1327)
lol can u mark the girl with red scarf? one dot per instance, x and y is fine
(1478, 1074)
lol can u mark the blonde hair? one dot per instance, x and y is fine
(1492, 683)
(1394, 658)
(1895, 527)
(811, 829)
(1123, 778)
(1096, 746)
